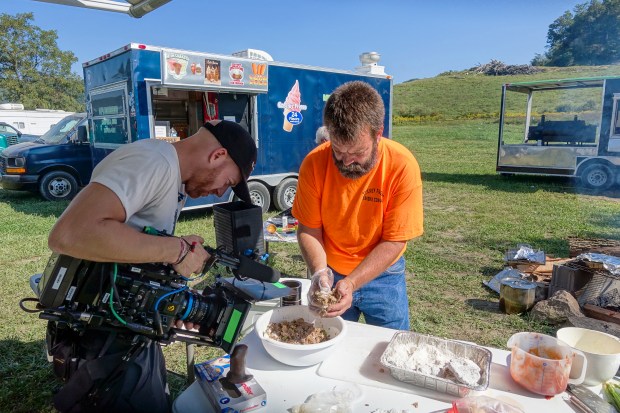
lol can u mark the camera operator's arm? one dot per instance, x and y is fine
(93, 228)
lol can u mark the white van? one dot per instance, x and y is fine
(30, 122)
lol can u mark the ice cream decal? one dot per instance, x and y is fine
(177, 65)
(292, 108)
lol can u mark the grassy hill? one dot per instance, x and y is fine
(466, 95)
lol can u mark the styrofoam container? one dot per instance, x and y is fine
(300, 354)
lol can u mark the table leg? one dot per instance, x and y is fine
(189, 349)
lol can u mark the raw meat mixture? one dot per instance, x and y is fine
(296, 332)
(323, 300)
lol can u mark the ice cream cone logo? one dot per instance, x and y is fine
(292, 108)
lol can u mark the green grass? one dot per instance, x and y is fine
(472, 216)
(464, 95)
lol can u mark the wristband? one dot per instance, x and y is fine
(185, 249)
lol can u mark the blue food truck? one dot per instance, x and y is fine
(146, 92)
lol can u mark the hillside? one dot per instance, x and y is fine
(462, 95)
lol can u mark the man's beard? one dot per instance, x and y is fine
(357, 170)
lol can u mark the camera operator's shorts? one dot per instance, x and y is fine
(96, 377)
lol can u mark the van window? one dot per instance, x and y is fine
(61, 130)
(7, 130)
(109, 117)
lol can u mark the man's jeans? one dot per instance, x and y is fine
(383, 301)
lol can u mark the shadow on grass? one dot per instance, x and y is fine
(483, 305)
(30, 203)
(519, 183)
(28, 384)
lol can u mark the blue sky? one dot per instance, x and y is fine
(415, 38)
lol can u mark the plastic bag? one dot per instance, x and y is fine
(337, 400)
(482, 404)
(321, 282)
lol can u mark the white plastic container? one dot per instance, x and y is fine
(602, 351)
(300, 354)
(258, 308)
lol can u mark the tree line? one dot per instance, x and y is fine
(36, 73)
(589, 36)
(33, 70)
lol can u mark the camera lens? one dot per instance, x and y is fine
(203, 309)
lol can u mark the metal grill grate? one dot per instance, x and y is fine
(601, 285)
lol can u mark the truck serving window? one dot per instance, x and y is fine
(109, 118)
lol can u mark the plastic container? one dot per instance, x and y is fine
(601, 350)
(239, 227)
(258, 309)
(300, 354)
(542, 364)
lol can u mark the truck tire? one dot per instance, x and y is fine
(259, 194)
(284, 194)
(58, 186)
(597, 176)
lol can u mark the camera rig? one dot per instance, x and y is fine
(147, 299)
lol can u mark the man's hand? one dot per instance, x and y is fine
(195, 259)
(345, 289)
(320, 288)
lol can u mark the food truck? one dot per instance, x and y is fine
(144, 92)
(571, 128)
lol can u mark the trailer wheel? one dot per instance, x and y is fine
(259, 194)
(284, 194)
(597, 176)
(58, 186)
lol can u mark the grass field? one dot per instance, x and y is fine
(472, 216)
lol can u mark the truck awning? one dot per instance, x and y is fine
(134, 8)
(527, 87)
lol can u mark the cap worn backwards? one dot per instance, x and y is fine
(241, 148)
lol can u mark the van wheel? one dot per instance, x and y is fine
(284, 194)
(58, 186)
(597, 176)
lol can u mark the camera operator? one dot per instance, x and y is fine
(142, 184)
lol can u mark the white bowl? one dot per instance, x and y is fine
(300, 354)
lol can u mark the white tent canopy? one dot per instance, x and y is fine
(134, 8)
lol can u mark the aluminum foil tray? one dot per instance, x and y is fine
(480, 355)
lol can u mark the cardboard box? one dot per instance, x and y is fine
(225, 396)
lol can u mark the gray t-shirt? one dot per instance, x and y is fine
(146, 177)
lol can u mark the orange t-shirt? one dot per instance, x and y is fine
(355, 214)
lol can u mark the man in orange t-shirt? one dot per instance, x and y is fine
(358, 202)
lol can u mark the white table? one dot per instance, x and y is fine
(356, 360)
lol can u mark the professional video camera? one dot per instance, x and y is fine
(147, 299)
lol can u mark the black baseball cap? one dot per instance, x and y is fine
(241, 148)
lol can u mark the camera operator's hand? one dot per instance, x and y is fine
(192, 256)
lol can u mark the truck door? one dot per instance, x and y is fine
(109, 117)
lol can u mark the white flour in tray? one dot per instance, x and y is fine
(434, 361)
